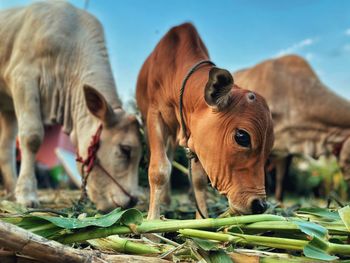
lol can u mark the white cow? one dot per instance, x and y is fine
(54, 69)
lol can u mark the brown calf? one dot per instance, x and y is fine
(229, 128)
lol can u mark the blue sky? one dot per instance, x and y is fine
(237, 33)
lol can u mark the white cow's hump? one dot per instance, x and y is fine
(60, 46)
(53, 25)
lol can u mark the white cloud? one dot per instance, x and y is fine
(347, 32)
(296, 47)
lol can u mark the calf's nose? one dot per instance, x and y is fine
(259, 206)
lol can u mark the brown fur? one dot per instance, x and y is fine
(235, 171)
(308, 118)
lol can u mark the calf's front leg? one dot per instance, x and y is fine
(26, 99)
(160, 166)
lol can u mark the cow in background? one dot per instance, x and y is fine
(308, 118)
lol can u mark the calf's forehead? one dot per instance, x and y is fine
(251, 114)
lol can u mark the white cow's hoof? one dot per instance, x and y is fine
(10, 195)
(27, 200)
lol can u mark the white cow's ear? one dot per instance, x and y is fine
(97, 105)
(217, 92)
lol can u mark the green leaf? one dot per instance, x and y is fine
(29, 222)
(344, 214)
(205, 244)
(34, 224)
(48, 233)
(320, 212)
(127, 217)
(219, 256)
(311, 229)
(131, 216)
(317, 249)
(210, 251)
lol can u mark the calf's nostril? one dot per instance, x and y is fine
(259, 206)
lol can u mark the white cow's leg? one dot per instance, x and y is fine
(200, 182)
(8, 131)
(30, 130)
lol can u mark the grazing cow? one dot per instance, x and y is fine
(54, 69)
(228, 128)
(308, 118)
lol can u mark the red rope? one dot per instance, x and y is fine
(89, 162)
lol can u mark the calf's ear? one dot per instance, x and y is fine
(98, 106)
(217, 92)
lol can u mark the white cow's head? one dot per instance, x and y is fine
(119, 153)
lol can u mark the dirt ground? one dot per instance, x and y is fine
(53, 198)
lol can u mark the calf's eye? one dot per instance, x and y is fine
(242, 138)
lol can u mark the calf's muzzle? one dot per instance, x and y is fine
(258, 206)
